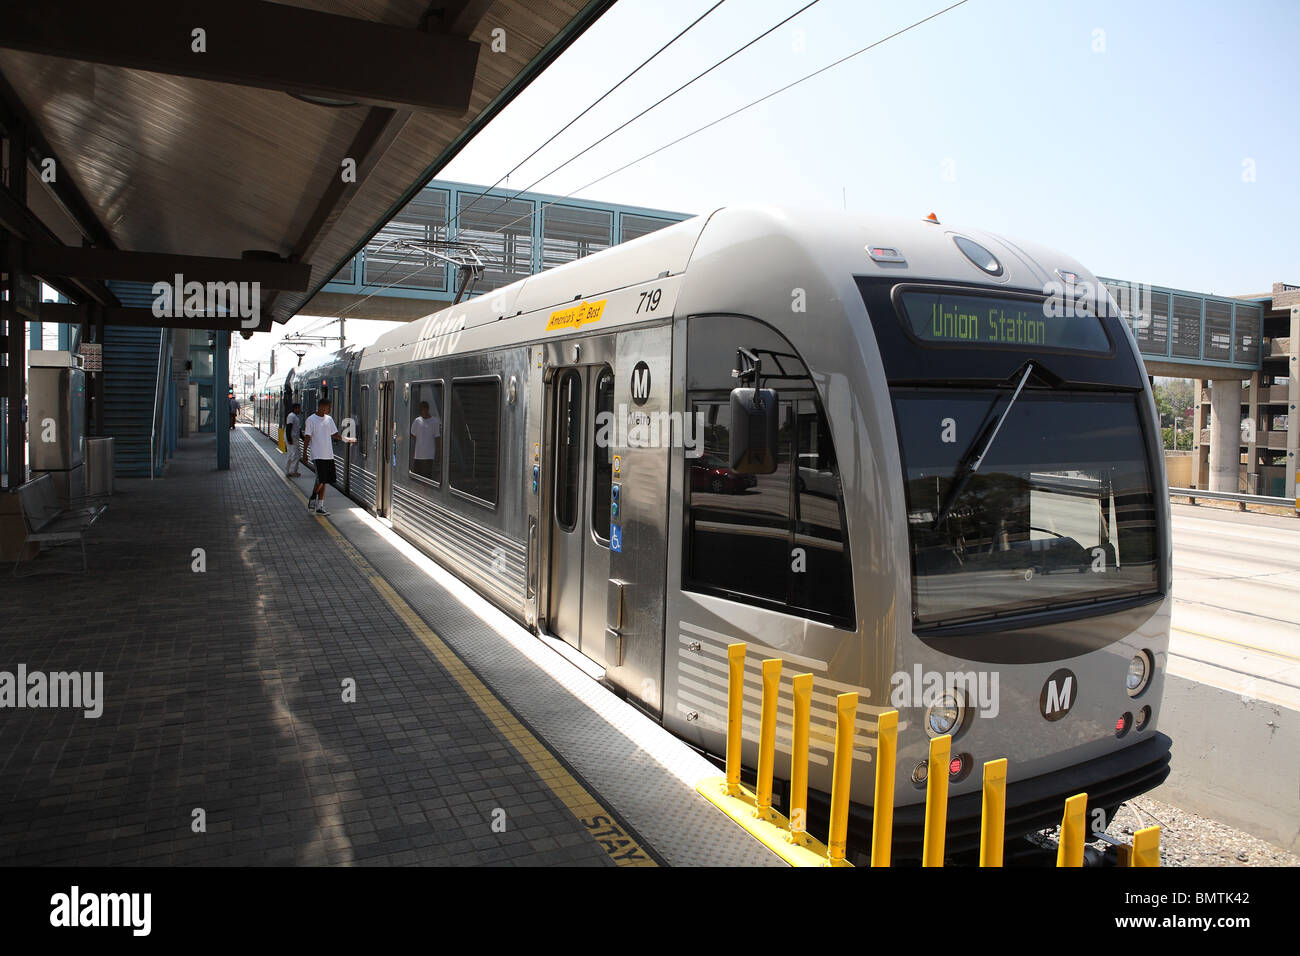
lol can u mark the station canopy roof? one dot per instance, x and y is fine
(224, 155)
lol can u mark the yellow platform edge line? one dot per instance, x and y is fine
(620, 846)
(772, 832)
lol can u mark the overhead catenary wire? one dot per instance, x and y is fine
(747, 106)
(721, 119)
(554, 136)
(458, 213)
(381, 288)
(657, 103)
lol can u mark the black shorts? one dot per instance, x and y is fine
(325, 471)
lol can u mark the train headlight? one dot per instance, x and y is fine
(944, 716)
(1139, 673)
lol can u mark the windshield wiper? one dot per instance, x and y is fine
(974, 456)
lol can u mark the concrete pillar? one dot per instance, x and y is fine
(1293, 405)
(12, 310)
(1225, 434)
(1198, 423)
(221, 398)
(95, 380)
(1252, 437)
(65, 330)
(180, 358)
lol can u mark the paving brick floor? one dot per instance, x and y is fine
(223, 691)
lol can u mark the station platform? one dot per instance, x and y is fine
(284, 689)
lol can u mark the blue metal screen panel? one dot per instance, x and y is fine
(1185, 327)
(389, 262)
(1247, 335)
(571, 232)
(1218, 330)
(633, 226)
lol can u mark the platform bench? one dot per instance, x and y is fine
(47, 520)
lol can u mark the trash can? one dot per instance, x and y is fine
(99, 466)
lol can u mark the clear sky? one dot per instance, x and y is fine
(1153, 140)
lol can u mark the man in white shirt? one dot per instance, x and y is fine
(425, 429)
(292, 427)
(318, 441)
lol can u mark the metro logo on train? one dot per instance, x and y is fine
(1058, 694)
(641, 383)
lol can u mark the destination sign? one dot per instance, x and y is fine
(957, 319)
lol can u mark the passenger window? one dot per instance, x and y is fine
(602, 467)
(568, 449)
(827, 583)
(425, 432)
(362, 430)
(475, 425)
(773, 540)
(739, 525)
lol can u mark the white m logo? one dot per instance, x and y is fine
(1059, 700)
(1058, 694)
(640, 383)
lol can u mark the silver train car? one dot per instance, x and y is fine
(329, 375)
(921, 463)
(272, 399)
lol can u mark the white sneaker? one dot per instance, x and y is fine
(322, 512)
(311, 504)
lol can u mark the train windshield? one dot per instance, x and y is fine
(1060, 512)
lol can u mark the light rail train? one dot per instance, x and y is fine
(921, 463)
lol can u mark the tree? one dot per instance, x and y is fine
(1184, 438)
(1174, 396)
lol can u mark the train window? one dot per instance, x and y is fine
(773, 540)
(474, 428)
(425, 458)
(362, 431)
(827, 582)
(1061, 511)
(602, 467)
(568, 448)
(739, 525)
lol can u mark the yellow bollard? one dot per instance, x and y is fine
(992, 826)
(936, 801)
(1146, 847)
(767, 738)
(882, 814)
(846, 708)
(735, 715)
(1069, 852)
(802, 684)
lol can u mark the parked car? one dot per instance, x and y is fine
(711, 473)
(815, 478)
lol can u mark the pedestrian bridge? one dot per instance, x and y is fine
(1176, 328)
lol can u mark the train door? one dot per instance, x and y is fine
(385, 448)
(579, 458)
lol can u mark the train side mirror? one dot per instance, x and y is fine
(753, 431)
